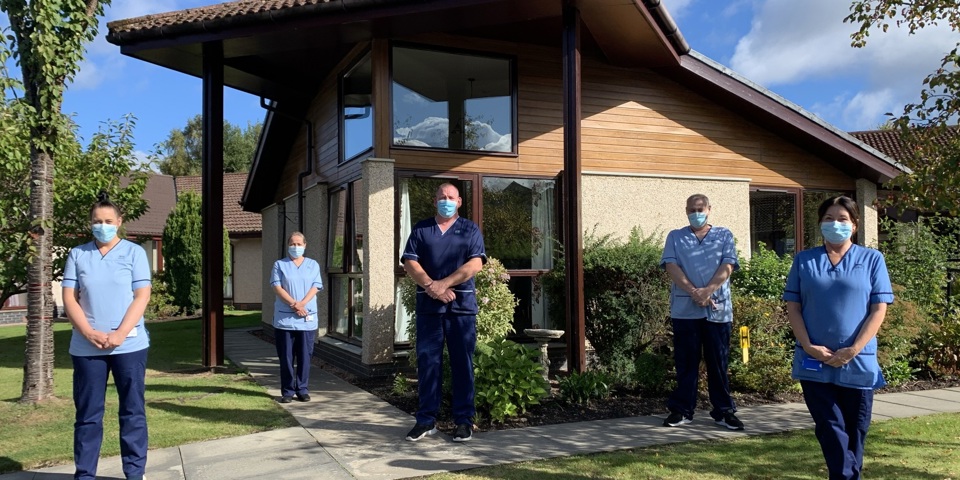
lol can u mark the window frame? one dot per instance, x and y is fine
(347, 269)
(366, 54)
(799, 204)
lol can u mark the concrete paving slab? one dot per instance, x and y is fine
(945, 395)
(888, 410)
(403, 459)
(923, 402)
(289, 453)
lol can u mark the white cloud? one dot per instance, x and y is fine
(791, 42)
(88, 77)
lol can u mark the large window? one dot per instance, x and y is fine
(785, 220)
(452, 101)
(517, 218)
(356, 110)
(344, 264)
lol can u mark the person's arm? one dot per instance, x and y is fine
(702, 295)
(460, 275)
(141, 297)
(78, 319)
(795, 317)
(878, 311)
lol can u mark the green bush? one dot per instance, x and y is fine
(771, 346)
(899, 338)
(626, 297)
(161, 303)
(942, 347)
(507, 378)
(652, 373)
(581, 388)
(763, 276)
(916, 256)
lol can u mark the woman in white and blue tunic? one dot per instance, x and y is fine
(837, 296)
(106, 288)
(296, 281)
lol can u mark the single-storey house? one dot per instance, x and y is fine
(549, 115)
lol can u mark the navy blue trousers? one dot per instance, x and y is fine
(295, 349)
(694, 339)
(842, 418)
(460, 334)
(89, 394)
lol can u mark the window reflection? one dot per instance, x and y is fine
(452, 101)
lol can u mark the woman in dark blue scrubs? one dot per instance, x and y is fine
(837, 296)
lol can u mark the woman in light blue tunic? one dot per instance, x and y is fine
(837, 296)
(296, 281)
(106, 288)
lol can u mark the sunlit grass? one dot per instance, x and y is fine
(185, 403)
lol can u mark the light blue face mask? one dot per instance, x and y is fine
(836, 232)
(104, 232)
(446, 208)
(697, 219)
(295, 251)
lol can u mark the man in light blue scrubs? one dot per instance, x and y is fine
(699, 259)
(442, 256)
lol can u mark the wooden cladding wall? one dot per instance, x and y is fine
(634, 121)
(637, 121)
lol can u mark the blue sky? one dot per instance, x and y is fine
(798, 49)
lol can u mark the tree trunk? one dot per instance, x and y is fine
(38, 358)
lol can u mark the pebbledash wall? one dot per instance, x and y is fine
(11, 316)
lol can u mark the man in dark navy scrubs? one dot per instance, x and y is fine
(442, 256)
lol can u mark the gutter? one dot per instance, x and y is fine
(308, 168)
(667, 25)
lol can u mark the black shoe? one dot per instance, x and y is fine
(286, 399)
(730, 421)
(676, 419)
(421, 430)
(463, 433)
(303, 397)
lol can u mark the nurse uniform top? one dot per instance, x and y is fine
(297, 281)
(442, 253)
(834, 302)
(699, 260)
(105, 284)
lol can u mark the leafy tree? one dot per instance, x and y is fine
(47, 40)
(927, 128)
(181, 153)
(183, 252)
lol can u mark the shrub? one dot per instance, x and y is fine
(507, 378)
(652, 371)
(626, 297)
(916, 257)
(763, 276)
(771, 346)
(161, 303)
(581, 388)
(899, 338)
(943, 344)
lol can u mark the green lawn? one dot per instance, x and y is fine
(920, 448)
(184, 403)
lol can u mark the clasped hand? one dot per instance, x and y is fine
(104, 340)
(836, 359)
(300, 309)
(701, 296)
(438, 290)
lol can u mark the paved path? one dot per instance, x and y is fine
(347, 433)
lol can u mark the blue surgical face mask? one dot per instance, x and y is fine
(295, 251)
(697, 219)
(104, 232)
(446, 208)
(836, 232)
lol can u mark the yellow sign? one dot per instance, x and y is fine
(745, 343)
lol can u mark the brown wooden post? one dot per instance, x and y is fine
(572, 239)
(212, 207)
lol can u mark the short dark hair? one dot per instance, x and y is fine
(844, 201)
(103, 201)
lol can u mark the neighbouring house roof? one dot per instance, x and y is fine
(235, 220)
(889, 142)
(161, 196)
(265, 41)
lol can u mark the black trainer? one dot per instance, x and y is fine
(303, 397)
(676, 419)
(463, 433)
(286, 399)
(421, 430)
(730, 421)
